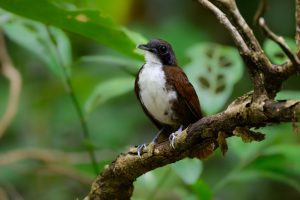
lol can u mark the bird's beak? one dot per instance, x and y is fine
(144, 47)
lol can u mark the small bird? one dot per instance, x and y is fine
(165, 93)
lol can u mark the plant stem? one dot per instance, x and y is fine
(90, 148)
(70, 90)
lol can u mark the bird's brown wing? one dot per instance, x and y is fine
(186, 94)
(137, 93)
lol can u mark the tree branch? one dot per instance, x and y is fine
(237, 38)
(256, 61)
(12, 74)
(252, 110)
(279, 40)
(116, 180)
(50, 158)
(289, 67)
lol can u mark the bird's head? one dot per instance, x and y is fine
(159, 51)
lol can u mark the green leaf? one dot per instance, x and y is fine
(288, 94)
(136, 37)
(275, 53)
(280, 167)
(202, 190)
(188, 170)
(129, 65)
(88, 169)
(280, 162)
(248, 151)
(35, 37)
(289, 153)
(108, 90)
(213, 70)
(63, 46)
(88, 23)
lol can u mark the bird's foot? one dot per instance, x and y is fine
(141, 148)
(172, 137)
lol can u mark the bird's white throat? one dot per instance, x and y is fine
(153, 92)
(151, 58)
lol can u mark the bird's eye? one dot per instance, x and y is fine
(162, 49)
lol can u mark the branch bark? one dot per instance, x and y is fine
(116, 180)
(252, 110)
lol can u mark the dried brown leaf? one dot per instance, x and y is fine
(205, 151)
(248, 135)
(222, 142)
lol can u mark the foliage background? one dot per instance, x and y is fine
(43, 153)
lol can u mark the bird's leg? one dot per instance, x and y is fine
(172, 137)
(156, 138)
(151, 145)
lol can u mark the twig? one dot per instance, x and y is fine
(12, 74)
(51, 159)
(261, 10)
(257, 56)
(230, 7)
(285, 68)
(70, 91)
(12, 192)
(260, 21)
(276, 74)
(3, 194)
(255, 59)
(279, 40)
(237, 38)
(68, 172)
(49, 156)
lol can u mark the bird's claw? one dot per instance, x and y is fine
(172, 137)
(140, 148)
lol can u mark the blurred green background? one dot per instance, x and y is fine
(92, 44)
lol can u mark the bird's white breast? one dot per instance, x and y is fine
(154, 94)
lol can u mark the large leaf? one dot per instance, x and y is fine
(202, 190)
(288, 94)
(107, 90)
(281, 133)
(275, 53)
(248, 151)
(273, 158)
(50, 44)
(213, 70)
(280, 162)
(129, 65)
(188, 170)
(85, 22)
(161, 183)
(88, 169)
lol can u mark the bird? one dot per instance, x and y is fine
(165, 94)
